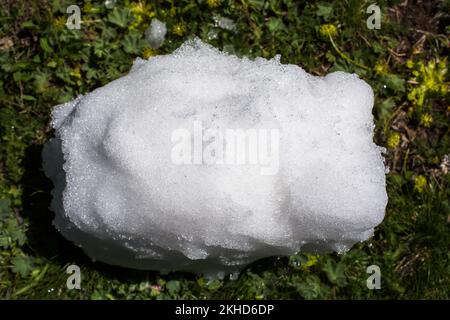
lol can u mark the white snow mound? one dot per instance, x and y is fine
(122, 196)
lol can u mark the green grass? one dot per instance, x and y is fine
(42, 63)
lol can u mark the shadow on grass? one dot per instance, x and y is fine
(43, 239)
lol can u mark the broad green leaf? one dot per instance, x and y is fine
(335, 273)
(120, 17)
(27, 97)
(28, 24)
(22, 265)
(275, 24)
(256, 4)
(133, 43)
(395, 82)
(173, 286)
(310, 288)
(4, 208)
(214, 284)
(44, 45)
(386, 106)
(324, 10)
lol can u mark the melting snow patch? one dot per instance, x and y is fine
(204, 162)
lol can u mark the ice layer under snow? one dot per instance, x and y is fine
(120, 196)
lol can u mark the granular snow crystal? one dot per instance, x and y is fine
(156, 33)
(202, 161)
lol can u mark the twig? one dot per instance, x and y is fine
(344, 56)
